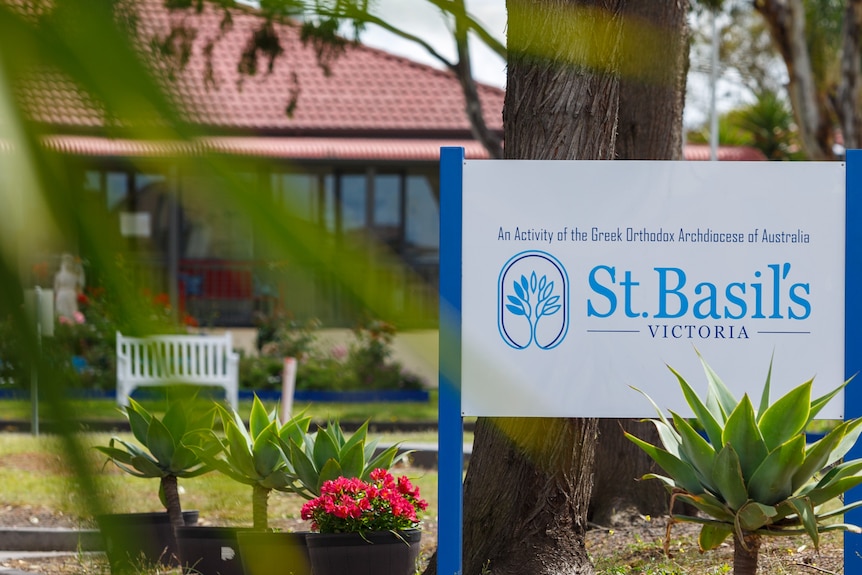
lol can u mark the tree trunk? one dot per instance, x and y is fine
(745, 554)
(652, 96)
(526, 496)
(811, 108)
(259, 503)
(618, 496)
(527, 488)
(849, 91)
(171, 500)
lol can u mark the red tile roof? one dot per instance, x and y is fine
(369, 92)
(725, 153)
(296, 148)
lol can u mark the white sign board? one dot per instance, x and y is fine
(582, 279)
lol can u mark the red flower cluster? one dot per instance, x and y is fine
(349, 505)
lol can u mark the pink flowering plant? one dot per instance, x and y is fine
(350, 505)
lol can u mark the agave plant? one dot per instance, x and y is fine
(328, 454)
(254, 455)
(751, 473)
(170, 446)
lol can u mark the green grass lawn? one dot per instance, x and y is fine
(106, 410)
(36, 472)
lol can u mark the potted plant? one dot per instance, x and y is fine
(365, 528)
(328, 454)
(169, 449)
(751, 474)
(310, 459)
(251, 455)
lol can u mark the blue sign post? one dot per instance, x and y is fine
(560, 230)
(450, 462)
(853, 339)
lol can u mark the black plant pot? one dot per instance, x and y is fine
(268, 552)
(369, 553)
(210, 550)
(136, 539)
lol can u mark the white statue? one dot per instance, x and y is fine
(68, 283)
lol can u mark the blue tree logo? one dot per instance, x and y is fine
(533, 305)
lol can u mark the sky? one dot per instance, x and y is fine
(420, 18)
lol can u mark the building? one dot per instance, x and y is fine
(351, 146)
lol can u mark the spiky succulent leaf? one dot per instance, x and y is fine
(266, 455)
(383, 460)
(764, 396)
(330, 471)
(325, 448)
(786, 417)
(258, 418)
(709, 504)
(139, 420)
(772, 482)
(718, 390)
(728, 478)
(851, 435)
(818, 454)
(704, 416)
(696, 450)
(669, 443)
(239, 451)
(681, 472)
(809, 520)
(742, 433)
(755, 515)
(821, 401)
(160, 443)
(712, 535)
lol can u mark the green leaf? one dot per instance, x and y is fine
(818, 454)
(147, 466)
(183, 459)
(821, 401)
(851, 435)
(727, 475)
(831, 490)
(710, 505)
(305, 470)
(325, 448)
(175, 420)
(139, 420)
(383, 460)
(764, 396)
(703, 415)
(681, 472)
(116, 455)
(809, 521)
(259, 419)
(331, 470)
(742, 433)
(696, 450)
(712, 535)
(266, 455)
(358, 438)
(295, 429)
(755, 515)
(669, 437)
(786, 417)
(717, 389)
(239, 452)
(160, 443)
(353, 460)
(773, 480)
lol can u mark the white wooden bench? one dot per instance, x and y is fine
(207, 360)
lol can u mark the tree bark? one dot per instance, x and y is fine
(811, 108)
(745, 554)
(652, 96)
(259, 506)
(527, 488)
(849, 92)
(172, 500)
